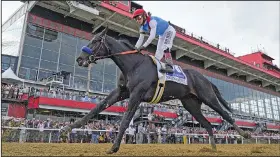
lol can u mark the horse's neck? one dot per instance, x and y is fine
(127, 63)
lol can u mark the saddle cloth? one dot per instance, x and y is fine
(177, 76)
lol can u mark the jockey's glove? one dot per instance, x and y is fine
(140, 48)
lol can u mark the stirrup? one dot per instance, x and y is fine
(168, 69)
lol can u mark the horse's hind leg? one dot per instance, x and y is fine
(193, 105)
(211, 100)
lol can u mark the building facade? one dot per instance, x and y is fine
(43, 42)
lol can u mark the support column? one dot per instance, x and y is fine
(106, 119)
(231, 72)
(106, 20)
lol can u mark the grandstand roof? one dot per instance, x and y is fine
(184, 44)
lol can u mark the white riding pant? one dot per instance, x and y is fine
(165, 41)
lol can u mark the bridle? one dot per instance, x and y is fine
(93, 56)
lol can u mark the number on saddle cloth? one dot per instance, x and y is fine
(87, 50)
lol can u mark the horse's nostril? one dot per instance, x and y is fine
(85, 64)
(79, 59)
(80, 62)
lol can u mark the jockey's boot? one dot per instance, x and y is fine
(169, 62)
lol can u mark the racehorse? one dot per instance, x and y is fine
(138, 83)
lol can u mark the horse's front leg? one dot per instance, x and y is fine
(134, 101)
(115, 96)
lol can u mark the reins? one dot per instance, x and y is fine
(117, 54)
(92, 58)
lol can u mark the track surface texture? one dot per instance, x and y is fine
(63, 149)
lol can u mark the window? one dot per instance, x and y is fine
(48, 65)
(53, 46)
(241, 94)
(254, 103)
(110, 67)
(13, 60)
(66, 59)
(97, 71)
(81, 71)
(67, 49)
(99, 66)
(29, 62)
(66, 68)
(228, 92)
(97, 75)
(43, 74)
(95, 86)
(4, 67)
(108, 87)
(5, 59)
(80, 83)
(51, 40)
(28, 74)
(35, 31)
(118, 72)
(268, 108)
(275, 107)
(49, 55)
(261, 103)
(69, 39)
(31, 51)
(109, 83)
(68, 81)
(109, 78)
(30, 40)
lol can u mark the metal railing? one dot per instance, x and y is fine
(36, 135)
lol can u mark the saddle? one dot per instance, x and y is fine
(161, 81)
(177, 76)
(160, 65)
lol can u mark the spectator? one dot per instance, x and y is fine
(140, 134)
(131, 132)
(41, 129)
(22, 137)
(164, 132)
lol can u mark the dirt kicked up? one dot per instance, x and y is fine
(62, 149)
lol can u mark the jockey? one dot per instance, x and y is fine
(156, 26)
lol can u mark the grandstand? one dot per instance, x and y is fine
(43, 39)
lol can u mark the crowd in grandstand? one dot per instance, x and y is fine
(15, 91)
(99, 131)
(142, 133)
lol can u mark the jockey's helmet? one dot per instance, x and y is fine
(139, 14)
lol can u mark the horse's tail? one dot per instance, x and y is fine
(220, 98)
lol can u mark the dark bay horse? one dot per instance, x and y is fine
(138, 83)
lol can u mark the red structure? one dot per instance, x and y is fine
(262, 60)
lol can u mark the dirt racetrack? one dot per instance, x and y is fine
(63, 149)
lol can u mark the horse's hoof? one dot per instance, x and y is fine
(247, 135)
(214, 148)
(110, 151)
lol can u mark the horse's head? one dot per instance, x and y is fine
(96, 49)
